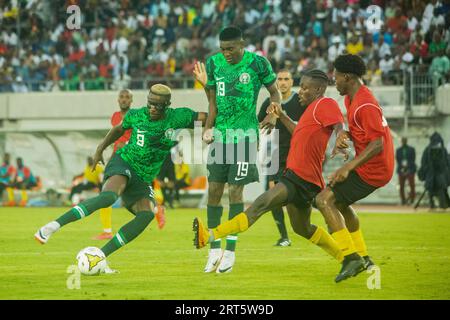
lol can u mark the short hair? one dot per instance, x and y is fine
(350, 63)
(318, 75)
(285, 70)
(230, 33)
(161, 90)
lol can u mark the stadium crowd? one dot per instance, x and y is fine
(130, 43)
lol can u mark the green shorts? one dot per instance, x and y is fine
(233, 163)
(351, 189)
(136, 188)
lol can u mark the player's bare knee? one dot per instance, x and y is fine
(324, 199)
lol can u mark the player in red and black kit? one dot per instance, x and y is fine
(125, 100)
(372, 167)
(302, 180)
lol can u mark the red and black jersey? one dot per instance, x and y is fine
(310, 139)
(367, 123)
(116, 119)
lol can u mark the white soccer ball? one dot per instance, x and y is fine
(91, 261)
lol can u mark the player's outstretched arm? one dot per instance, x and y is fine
(113, 134)
(282, 115)
(208, 119)
(275, 100)
(211, 118)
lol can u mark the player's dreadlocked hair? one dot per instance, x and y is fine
(350, 63)
(318, 75)
(230, 33)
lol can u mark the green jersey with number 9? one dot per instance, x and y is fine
(237, 88)
(151, 140)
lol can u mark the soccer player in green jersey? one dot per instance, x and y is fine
(234, 79)
(131, 170)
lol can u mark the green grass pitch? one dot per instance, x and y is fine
(412, 250)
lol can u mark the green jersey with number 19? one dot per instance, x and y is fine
(237, 88)
(151, 140)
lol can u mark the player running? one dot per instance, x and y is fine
(372, 167)
(235, 77)
(130, 172)
(294, 110)
(302, 180)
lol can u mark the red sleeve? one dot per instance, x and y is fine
(116, 119)
(370, 119)
(327, 112)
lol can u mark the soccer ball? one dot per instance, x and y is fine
(91, 261)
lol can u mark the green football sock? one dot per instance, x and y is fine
(235, 209)
(85, 208)
(129, 231)
(214, 214)
(278, 216)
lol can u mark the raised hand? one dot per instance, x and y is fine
(200, 73)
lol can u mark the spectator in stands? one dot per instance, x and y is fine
(406, 170)
(94, 81)
(355, 46)
(23, 180)
(435, 171)
(336, 48)
(440, 66)
(7, 173)
(437, 44)
(419, 49)
(117, 37)
(386, 67)
(373, 74)
(90, 179)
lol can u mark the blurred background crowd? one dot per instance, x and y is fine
(132, 43)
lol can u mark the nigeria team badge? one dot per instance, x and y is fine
(244, 78)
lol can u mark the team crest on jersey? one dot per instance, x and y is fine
(169, 134)
(244, 78)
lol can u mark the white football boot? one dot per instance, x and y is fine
(227, 262)
(214, 257)
(44, 233)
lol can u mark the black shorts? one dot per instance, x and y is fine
(351, 189)
(136, 188)
(300, 192)
(235, 165)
